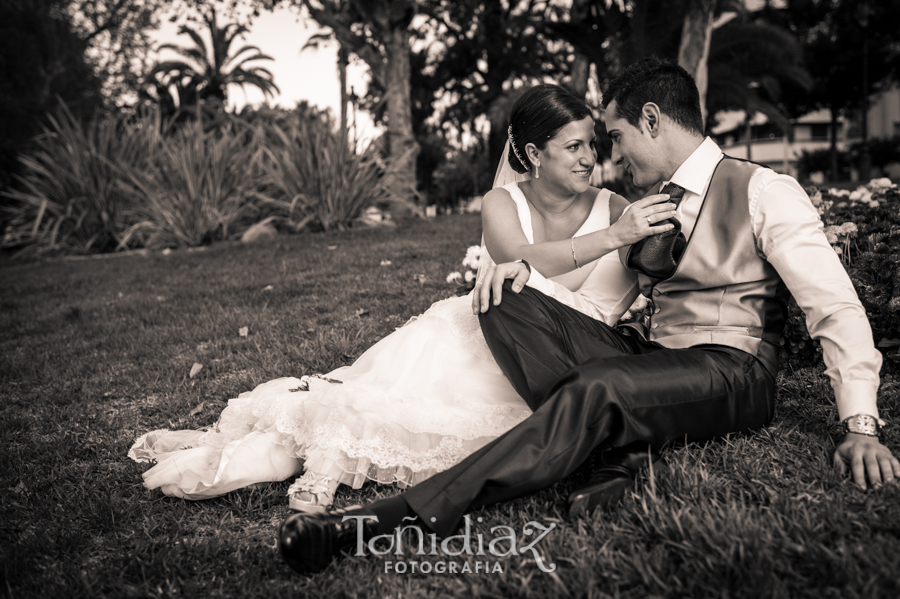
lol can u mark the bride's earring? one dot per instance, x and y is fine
(537, 173)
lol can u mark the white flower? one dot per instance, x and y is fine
(473, 257)
(849, 228)
(454, 277)
(470, 276)
(831, 235)
(880, 183)
(861, 195)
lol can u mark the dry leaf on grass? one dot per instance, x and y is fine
(244, 331)
(197, 367)
(385, 263)
(197, 410)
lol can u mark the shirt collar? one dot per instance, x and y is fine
(695, 172)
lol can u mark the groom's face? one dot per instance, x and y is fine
(633, 148)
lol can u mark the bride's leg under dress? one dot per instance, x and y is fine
(414, 404)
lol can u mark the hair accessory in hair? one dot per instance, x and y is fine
(515, 149)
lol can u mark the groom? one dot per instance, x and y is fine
(705, 365)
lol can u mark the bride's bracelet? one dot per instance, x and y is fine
(574, 259)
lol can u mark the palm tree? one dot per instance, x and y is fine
(204, 73)
(750, 64)
(171, 91)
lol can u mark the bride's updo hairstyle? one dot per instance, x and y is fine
(536, 117)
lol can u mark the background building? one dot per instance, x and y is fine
(809, 133)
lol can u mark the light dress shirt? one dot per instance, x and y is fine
(790, 235)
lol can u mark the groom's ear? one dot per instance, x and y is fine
(651, 116)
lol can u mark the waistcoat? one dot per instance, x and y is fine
(723, 292)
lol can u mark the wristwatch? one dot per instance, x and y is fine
(864, 424)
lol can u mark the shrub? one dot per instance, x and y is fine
(882, 151)
(864, 228)
(820, 161)
(70, 198)
(314, 177)
(197, 190)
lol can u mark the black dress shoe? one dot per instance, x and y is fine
(308, 542)
(613, 474)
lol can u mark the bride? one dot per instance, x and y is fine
(429, 394)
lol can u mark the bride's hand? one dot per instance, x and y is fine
(641, 218)
(493, 280)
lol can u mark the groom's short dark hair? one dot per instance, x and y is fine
(665, 84)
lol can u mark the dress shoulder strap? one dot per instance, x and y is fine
(522, 209)
(601, 207)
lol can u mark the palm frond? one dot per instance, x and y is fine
(199, 43)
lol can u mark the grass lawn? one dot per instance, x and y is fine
(96, 352)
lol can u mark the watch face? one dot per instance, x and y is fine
(867, 425)
(863, 424)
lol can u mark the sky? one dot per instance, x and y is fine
(309, 75)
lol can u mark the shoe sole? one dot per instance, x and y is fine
(307, 508)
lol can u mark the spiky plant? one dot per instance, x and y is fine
(69, 199)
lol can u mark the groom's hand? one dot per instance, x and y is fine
(867, 458)
(492, 283)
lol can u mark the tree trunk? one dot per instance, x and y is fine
(832, 150)
(749, 137)
(387, 55)
(693, 52)
(581, 66)
(343, 59)
(402, 146)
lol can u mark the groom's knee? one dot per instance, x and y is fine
(513, 305)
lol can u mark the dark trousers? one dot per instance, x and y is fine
(590, 386)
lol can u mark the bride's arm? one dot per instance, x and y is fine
(506, 242)
(592, 298)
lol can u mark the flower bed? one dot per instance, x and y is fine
(863, 227)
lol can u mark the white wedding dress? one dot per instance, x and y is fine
(417, 402)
